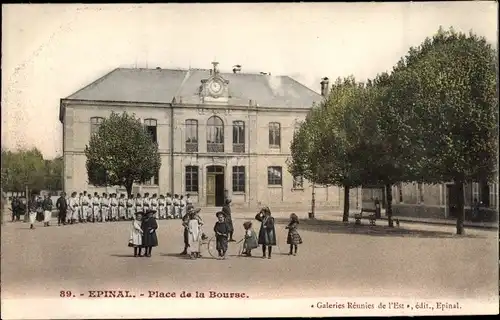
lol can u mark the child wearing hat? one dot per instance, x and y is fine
(293, 238)
(221, 230)
(149, 238)
(136, 234)
(250, 239)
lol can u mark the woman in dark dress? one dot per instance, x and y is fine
(267, 232)
(226, 209)
(149, 238)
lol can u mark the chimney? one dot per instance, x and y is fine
(325, 86)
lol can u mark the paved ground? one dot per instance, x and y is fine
(415, 260)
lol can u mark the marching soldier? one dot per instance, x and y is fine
(121, 207)
(104, 207)
(47, 210)
(162, 208)
(138, 203)
(177, 209)
(96, 207)
(189, 201)
(114, 207)
(62, 206)
(84, 206)
(170, 208)
(154, 206)
(130, 207)
(80, 215)
(32, 206)
(182, 205)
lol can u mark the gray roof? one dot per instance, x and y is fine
(162, 85)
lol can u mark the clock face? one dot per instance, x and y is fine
(215, 87)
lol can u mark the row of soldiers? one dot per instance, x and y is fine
(110, 207)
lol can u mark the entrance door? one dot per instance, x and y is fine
(215, 186)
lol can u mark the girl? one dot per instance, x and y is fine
(267, 232)
(149, 238)
(293, 238)
(221, 235)
(250, 239)
(194, 229)
(136, 235)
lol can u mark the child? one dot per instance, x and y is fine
(136, 235)
(250, 239)
(194, 229)
(221, 235)
(267, 231)
(293, 238)
(149, 238)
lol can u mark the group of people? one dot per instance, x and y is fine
(111, 207)
(143, 233)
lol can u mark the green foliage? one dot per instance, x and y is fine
(27, 168)
(121, 153)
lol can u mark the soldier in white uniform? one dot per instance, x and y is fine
(189, 201)
(138, 203)
(176, 204)
(154, 206)
(146, 202)
(104, 207)
(80, 216)
(84, 207)
(113, 202)
(170, 207)
(96, 207)
(122, 212)
(75, 207)
(182, 205)
(162, 207)
(130, 207)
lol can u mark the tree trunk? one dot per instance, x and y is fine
(459, 189)
(388, 210)
(345, 217)
(128, 186)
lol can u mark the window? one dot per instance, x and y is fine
(298, 182)
(155, 180)
(191, 178)
(150, 125)
(420, 194)
(274, 135)
(274, 177)
(484, 193)
(238, 136)
(239, 179)
(95, 123)
(475, 191)
(215, 135)
(191, 135)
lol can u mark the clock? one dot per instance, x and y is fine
(215, 87)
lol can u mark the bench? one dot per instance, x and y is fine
(372, 216)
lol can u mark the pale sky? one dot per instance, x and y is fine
(51, 51)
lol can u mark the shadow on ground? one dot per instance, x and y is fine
(328, 226)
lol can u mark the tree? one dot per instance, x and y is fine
(121, 152)
(443, 110)
(54, 174)
(21, 169)
(327, 147)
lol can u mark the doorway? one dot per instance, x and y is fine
(215, 186)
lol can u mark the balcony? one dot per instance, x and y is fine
(215, 147)
(238, 148)
(191, 146)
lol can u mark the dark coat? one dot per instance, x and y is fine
(226, 209)
(267, 232)
(293, 235)
(149, 239)
(221, 240)
(62, 204)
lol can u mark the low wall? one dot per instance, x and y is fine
(418, 211)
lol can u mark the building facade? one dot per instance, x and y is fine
(218, 134)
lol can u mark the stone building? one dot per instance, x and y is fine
(219, 134)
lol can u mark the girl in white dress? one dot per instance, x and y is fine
(136, 233)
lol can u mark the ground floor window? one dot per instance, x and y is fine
(154, 181)
(239, 179)
(274, 176)
(191, 178)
